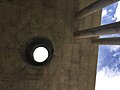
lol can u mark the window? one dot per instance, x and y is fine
(108, 68)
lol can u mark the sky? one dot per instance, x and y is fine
(118, 12)
(108, 68)
(40, 54)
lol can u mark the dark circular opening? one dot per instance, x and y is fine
(38, 51)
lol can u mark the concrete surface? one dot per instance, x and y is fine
(73, 66)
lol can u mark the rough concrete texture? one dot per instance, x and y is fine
(73, 66)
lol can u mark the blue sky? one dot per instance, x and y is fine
(108, 68)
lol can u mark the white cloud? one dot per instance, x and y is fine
(107, 80)
(117, 14)
(104, 12)
(114, 47)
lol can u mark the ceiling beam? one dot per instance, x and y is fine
(113, 28)
(99, 4)
(107, 41)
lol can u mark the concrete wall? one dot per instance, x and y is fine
(74, 63)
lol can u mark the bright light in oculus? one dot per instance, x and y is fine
(40, 54)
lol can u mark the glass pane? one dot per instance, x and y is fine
(108, 67)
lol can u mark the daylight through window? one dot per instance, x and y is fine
(108, 67)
